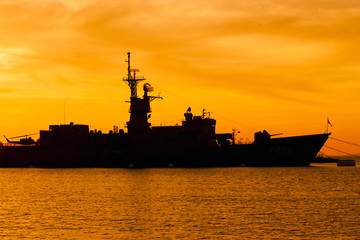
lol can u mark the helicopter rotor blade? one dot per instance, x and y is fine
(24, 135)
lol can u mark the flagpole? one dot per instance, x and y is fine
(327, 126)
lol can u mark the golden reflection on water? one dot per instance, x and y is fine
(219, 203)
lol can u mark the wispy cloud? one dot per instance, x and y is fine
(304, 53)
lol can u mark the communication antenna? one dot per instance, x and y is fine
(132, 80)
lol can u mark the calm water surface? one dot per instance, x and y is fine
(318, 202)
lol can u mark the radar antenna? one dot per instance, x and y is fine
(132, 80)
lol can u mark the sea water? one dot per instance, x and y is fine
(317, 202)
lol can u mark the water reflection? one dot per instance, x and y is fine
(218, 203)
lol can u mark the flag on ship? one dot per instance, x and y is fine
(328, 122)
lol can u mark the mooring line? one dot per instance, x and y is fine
(324, 154)
(342, 151)
(358, 145)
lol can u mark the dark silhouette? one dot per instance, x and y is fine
(23, 141)
(194, 143)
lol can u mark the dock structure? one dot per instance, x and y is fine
(346, 163)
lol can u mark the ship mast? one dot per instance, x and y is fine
(138, 126)
(132, 80)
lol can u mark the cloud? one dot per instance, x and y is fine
(297, 59)
(7, 90)
(27, 21)
(277, 48)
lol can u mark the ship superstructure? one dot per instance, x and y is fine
(140, 110)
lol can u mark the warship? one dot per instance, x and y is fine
(194, 143)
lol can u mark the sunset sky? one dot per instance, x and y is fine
(280, 65)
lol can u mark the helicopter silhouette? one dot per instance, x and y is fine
(23, 141)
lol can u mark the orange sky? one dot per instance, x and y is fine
(284, 66)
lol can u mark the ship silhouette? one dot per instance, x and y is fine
(194, 143)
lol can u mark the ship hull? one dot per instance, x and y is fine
(290, 151)
(52, 157)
